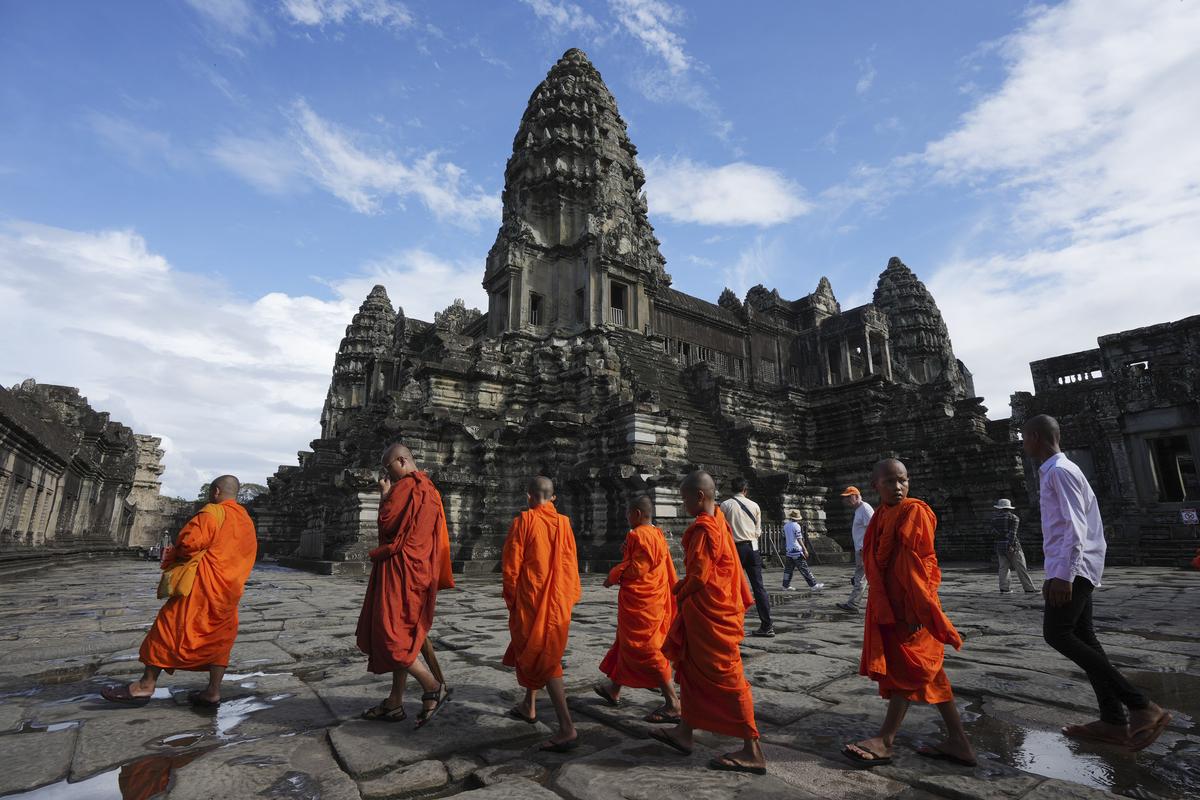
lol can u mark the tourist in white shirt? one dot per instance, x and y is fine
(863, 512)
(1074, 546)
(745, 520)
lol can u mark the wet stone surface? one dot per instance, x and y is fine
(296, 684)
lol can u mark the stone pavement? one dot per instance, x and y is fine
(297, 684)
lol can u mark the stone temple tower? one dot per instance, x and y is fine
(575, 249)
(368, 335)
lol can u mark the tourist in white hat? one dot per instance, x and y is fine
(1008, 547)
(797, 555)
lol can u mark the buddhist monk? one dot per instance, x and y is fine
(906, 630)
(406, 569)
(645, 610)
(541, 586)
(196, 631)
(704, 638)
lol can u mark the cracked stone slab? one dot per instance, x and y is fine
(280, 766)
(34, 759)
(644, 768)
(419, 777)
(515, 789)
(833, 780)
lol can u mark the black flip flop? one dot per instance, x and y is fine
(660, 736)
(727, 764)
(194, 699)
(559, 747)
(942, 755)
(606, 696)
(120, 694)
(441, 695)
(381, 713)
(515, 713)
(659, 716)
(875, 760)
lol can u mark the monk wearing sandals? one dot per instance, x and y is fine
(1074, 545)
(541, 587)
(704, 638)
(906, 630)
(645, 609)
(407, 568)
(195, 630)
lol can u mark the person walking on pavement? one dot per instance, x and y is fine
(852, 498)
(745, 520)
(796, 553)
(1009, 554)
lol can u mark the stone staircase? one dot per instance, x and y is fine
(650, 369)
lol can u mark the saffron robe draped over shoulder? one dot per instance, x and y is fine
(406, 572)
(903, 578)
(541, 587)
(645, 610)
(704, 638)
(198, 631)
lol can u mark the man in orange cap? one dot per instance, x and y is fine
(852, 499)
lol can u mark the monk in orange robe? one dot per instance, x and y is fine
(906, 630)
(704, 638)
(407, 568)
(645, 610)
(541, 586)
(196, 632)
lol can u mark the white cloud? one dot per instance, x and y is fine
(649, 22)
(733, 194)
(866, 77)
(231, 384)
(143, 147)
(753, 266)
(318, 13)
(237, 17)
(317, 151)
(1088, 157)
(562, 17)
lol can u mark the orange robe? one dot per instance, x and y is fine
(645, 610)
(197, 631)
(704, 638)
(903, 579)
(406, 569)
(541, 586)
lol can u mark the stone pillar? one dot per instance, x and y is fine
(516, 299)
(870, 361)
(847, 368)
(887, 358)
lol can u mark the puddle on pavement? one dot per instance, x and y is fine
(232, 713)
(1175, 691)
(245, 676)
(294, 786)
(181, 740)
(1049, 753)
(53, 727)
(139, 780)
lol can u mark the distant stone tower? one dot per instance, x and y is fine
(368, 335)
(919, 339)
(575, 248)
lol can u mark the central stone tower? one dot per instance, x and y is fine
(575, 248)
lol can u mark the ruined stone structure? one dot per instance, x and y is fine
(71, 477)
(590, 368)
(1130, 417)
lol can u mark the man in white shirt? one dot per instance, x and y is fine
(1073, 541)
(863, 512)
(745, 520)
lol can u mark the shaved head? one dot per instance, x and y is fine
(698, 492)
(398, 461)
(1041, 437)
(396, 450)
(643, 503)
(890, 479)
(541, 488)
(228, 485)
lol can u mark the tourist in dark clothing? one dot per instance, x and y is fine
(1009, 554)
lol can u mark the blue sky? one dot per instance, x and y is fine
(196, 195)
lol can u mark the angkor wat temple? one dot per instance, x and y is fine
(590, 368)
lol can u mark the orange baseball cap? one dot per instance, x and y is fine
(851, 490)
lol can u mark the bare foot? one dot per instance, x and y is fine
(876, 746)
(1146, 725)
(139, 689)
(957, 751)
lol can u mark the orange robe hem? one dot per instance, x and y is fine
(645, 609)
(903, 579)
(704, 638)
(541, 587)
(198, 631)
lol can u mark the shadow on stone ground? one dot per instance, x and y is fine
(297, 684)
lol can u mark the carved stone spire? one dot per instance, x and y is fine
(920, 341)
(572, 196)
(369, 334)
